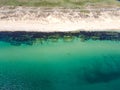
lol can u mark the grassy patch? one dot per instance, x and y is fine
(60, 3)
(45, 3)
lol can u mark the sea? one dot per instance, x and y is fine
(60, 65)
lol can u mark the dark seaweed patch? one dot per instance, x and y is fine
(29, 38)
(99, 74)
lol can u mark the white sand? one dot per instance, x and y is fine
(60, 21)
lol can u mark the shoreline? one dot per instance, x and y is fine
(59, 27)
(59, 20)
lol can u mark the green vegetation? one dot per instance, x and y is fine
(60, 3)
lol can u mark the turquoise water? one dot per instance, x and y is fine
(75, 65)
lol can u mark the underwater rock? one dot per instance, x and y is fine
(54, 38)
(95, 38)
(83, 38)
(68, 38)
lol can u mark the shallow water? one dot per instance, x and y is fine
(75, 65)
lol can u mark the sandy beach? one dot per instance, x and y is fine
(59, 20)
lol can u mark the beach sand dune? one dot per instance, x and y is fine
(58, 19)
